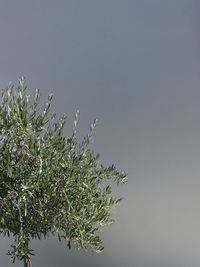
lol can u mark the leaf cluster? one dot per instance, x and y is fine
(49, 184)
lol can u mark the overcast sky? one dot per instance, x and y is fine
(134, 65)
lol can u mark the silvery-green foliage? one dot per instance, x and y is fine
(49, 184)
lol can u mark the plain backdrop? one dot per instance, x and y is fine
(134, 65)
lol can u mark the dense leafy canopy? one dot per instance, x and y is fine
(49, 184)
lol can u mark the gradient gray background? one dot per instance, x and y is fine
(134, 65)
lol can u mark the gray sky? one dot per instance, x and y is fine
(134, 65)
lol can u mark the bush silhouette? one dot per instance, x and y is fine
(49, 184)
